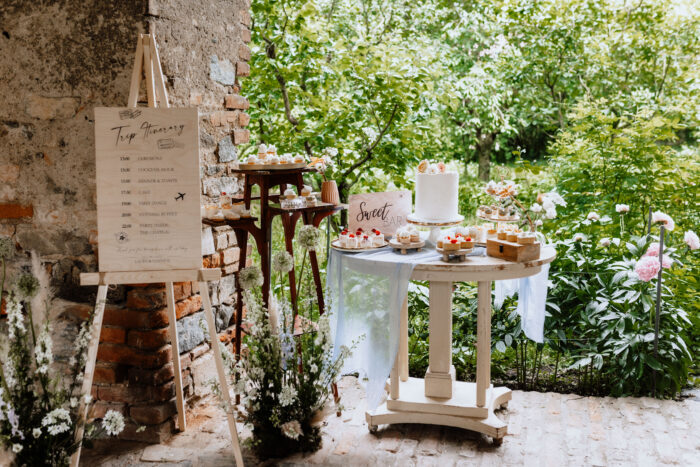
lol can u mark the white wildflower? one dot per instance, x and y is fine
(548, 204)
(57, 421)
(15, 319)
(555, 198)
(550, 213)
(593, 216)
(73, 402)
(287, 395)
(42, 351)
(87, 398)
(309, 237)
(250, 277)
(282, 262)
(36, 432)
(622, 208)
(605, 242)
(17, 448)
(579, 237)
(292, 429)
(536, 208)
(538, 223)
(314, 368)
(113, 423)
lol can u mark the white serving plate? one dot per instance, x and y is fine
(336, 245)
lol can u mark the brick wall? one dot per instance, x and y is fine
(58, 62)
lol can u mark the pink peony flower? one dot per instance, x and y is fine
(653, 250)
(666, 262)
(593, 216)
(691, 239)
(622, 208)
(659, 217)
(647, 268)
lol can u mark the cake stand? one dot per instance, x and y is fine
(435, 225)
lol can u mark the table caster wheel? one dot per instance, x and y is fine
(373, 429)
(497, 442)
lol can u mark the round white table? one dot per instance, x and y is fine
(438, 399)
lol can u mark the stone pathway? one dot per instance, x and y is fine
(547, 429)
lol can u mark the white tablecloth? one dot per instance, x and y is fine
(366, 291)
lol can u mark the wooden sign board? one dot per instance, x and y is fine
(385, 211)
(148, 206)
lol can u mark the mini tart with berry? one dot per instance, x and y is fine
(451, 245)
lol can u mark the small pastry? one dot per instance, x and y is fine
(366, 242)
(468, 243)
(441, 167)
(487, 210)
(299, 159)
(423, 166)
(502, 234)
(238, 207)
(526, 238)
(473, 231)
(452, 245)
(272, 159)
(306, 190)
(415, 236)
(310, 200)
(284, 159)
(352, 241)
(271, 151)
(512, 237)
(404, 236)
(245, 213)
(378, 239)
(289, 194)
(262, 151)
(252, 160)
(231, 215)
(218, 215)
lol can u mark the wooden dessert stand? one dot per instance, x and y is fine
(404, 247)
(439, 399)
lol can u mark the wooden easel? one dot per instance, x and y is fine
(148, 60)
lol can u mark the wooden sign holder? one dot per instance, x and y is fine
(147, 60)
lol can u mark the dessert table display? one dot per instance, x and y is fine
(368, 293)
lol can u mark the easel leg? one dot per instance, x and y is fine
(403, 342)
(95, 329)
(179, 392)
(230, 414)
(483, 342)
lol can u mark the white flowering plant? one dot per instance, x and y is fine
(39, 397)
(286, 373)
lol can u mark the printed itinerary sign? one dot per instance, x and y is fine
(148, 214)
(383, 211)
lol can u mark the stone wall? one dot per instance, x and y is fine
(58, 61)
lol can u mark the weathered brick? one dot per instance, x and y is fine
(200, 350)
(244, 52)
(241, 136)
(16, 211)
(216, 118)
(123, 393)
(113, 335)
(245, 18)
(231, 255)
(114, 353)
(108, 373)
(100, 408)
(243, 119)
(122, 317)
(245, 35)
(230, 269)
(153, 434)
(51, 108)
(212, 261)
(152, 377)
(152, 413)
(188, 306)
(235, 101)
(182, 290)
(221, 240)
(231, 117)
(242, 69)
(148, 339)
(149, 298)
(195, 98)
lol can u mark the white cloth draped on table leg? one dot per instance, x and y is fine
(532, 300)
(366, 291)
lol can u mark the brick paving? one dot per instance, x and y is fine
(547, 429)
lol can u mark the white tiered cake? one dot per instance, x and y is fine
(437, 195)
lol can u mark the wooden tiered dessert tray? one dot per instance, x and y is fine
(460, 254)
(404, 247)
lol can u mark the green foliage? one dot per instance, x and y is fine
(604, 159)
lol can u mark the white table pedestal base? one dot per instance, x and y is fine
(460, 411)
